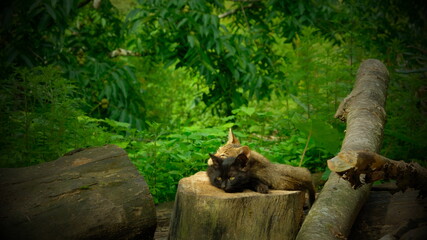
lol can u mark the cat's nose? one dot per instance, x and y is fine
(223, 187)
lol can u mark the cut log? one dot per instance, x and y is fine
(96, 193)
(202, 211)
(338, 204)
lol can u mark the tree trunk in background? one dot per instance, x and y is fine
(203, 211)
(338, 204)
(96, 193)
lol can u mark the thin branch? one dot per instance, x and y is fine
(83, 3)
(96, 3)
(233, 11)
(305, 148)
(245, 0)
(403, 71)
(226, 14)
(123, 52)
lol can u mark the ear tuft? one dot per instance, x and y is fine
(232, 138)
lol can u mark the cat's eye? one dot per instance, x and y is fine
(231, 178)
(218, 178)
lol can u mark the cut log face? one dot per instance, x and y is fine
(203, 211)
(96, 193)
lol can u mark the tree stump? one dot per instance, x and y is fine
(203, 211)
(96, 193)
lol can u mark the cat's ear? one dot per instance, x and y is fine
(246, 150)
(231, 138)
(216, 161)
(241, 160)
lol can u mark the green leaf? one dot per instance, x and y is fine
(130, 15)
(192, 40)
(206, 18)
(121, 144)
(181, 23)
(326, 174)
(33, 6)
(123, 116)
(300, 103)
(50, 11)
(103, 22)
(68, 6)
(53, 3)
(174, 172)
(121, 83)
(247, 110)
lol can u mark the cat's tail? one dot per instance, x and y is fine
(311, 194)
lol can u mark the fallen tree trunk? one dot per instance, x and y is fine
(203, 211)
(337, 206)
(96, 193)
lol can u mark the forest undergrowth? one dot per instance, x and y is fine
(276, 77)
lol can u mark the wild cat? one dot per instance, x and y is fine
(234, 168)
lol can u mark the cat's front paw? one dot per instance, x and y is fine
(261, 188)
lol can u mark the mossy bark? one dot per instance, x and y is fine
(337, 206)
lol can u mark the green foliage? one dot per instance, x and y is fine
(42, 117)
(273, 70)
(78, 38)
(231, 59)
(317, 74)
(406, 128)
(168, 157)
(109, 86)
(33, 31)
(171, 96)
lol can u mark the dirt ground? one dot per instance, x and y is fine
(164, 211)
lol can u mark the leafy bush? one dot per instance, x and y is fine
(78, 38)
(41, 122)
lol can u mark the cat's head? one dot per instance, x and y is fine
(230, 173)
(231, 149)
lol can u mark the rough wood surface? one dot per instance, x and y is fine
(338, 204)
(397, 215)
(96, 193)
(203, 211)
(361, 167)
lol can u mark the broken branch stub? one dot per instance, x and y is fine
(363, 167)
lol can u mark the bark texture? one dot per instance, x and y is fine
(362, 167)
(203, 211)
(337, 206)
(96, 193)
(397, 215)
